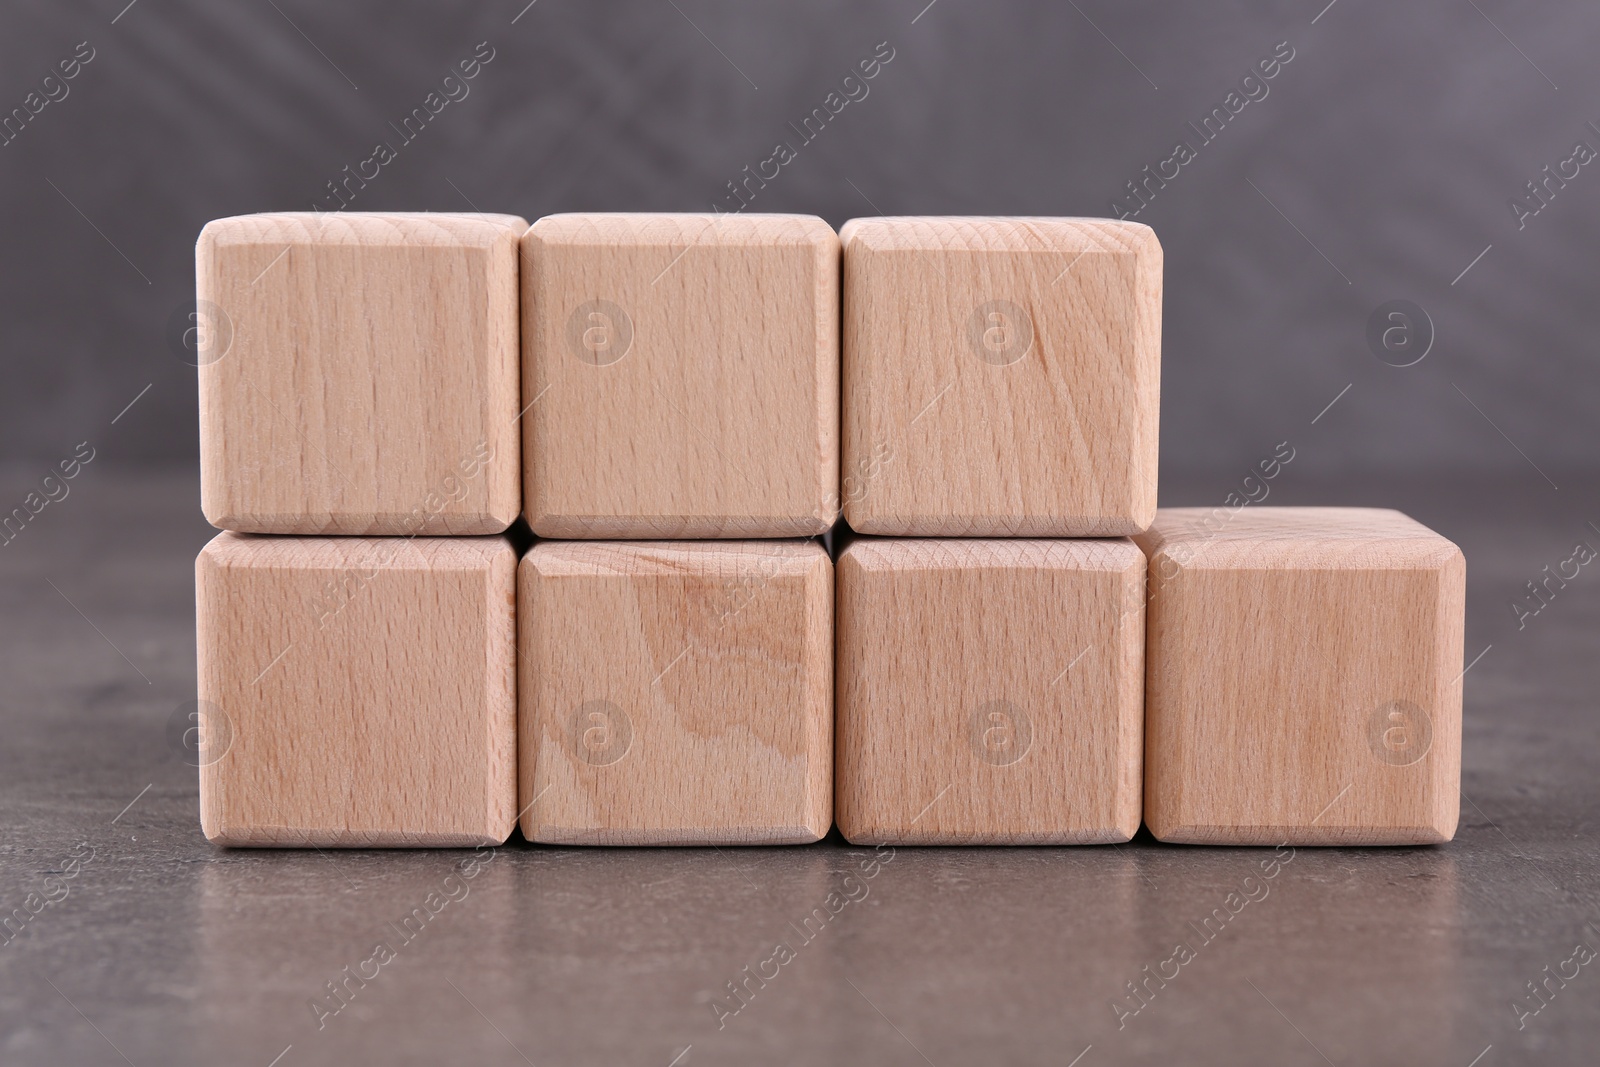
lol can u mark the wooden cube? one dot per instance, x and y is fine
(356, 691)
(1001, 376)
(990, 692)
(358, 373)
(1304, 677)
(683, 372)
(676, 693)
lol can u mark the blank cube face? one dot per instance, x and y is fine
(676, 693)
(357, 692)
(1001, 376)
(359, 373)
(683, 376)
(1304, 677)
(990, 692)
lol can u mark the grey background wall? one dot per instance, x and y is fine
(1378, 166)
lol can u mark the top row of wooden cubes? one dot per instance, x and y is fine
(680, 375)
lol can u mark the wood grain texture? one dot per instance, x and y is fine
(683, 372)
(676, 693)
(362, 375)
(357, 691)
(1304, 677)
(1001, 376)
(990, 692)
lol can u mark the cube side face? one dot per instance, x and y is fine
(1313, 706)
(365, 376)
(961, 341)
(362, 691)
(686, 377)
(676, 695)
(993, 701)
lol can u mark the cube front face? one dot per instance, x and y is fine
(1304, 678)
(359, 374)
(990, 692)
(676, 693)
(357, 693)
(963, 337)
(682, 372)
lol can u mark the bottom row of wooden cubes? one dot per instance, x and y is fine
(424, 692)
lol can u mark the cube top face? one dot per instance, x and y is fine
(1001, 376)
(990, 692)
(359, 373)
(1300, 538)
(357, 692)
(1304, 680)
(676, 693)
(682, 372)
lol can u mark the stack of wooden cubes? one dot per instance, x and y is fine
(1014, 647)
(991, 642)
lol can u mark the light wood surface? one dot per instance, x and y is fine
(1304, 677)
(362, 375)
(990, 692)
(683, 372)
(676, 693)
(357, 692)
(1001, 376)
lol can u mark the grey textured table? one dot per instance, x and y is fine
(156, 948)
